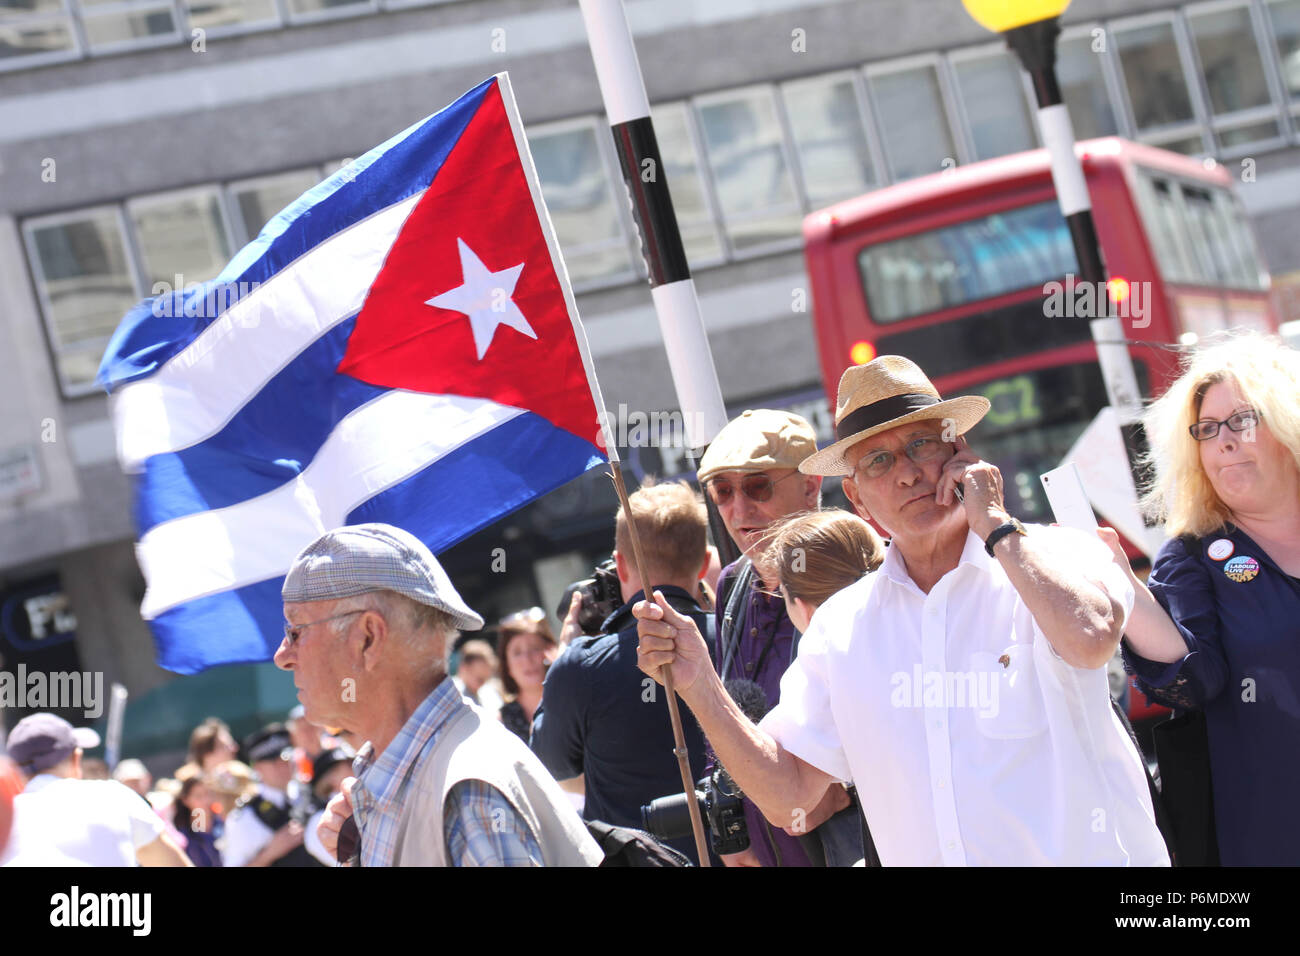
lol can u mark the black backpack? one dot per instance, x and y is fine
(625, 846)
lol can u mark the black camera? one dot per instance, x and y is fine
(601, 596)
(668, 818)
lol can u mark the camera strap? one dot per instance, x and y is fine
(737, 606)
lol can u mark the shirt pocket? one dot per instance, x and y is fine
(1011, 700)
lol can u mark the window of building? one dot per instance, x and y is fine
(85, 284)
(222, 16)
(323, 9)
(1154, 76)
(908, 105)
(110, 24)
(992, 97)
(182, 234)
(1081, 75)
(750, 167)
(1239, 102)
(830, 138)
(577, 187)
(677, 149)
(256, 201)
(1284, 17)
(34, 32)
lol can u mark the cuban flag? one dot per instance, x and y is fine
(400, 344)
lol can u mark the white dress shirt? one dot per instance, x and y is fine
(60, 821)
(970, 740)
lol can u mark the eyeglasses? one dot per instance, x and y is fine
(754, 487)
(1207, 428)
(294, 631)
(879, 463)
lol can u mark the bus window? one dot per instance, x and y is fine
(967, 262)
(1210, 238)
(1251, 272)
(1159, 208)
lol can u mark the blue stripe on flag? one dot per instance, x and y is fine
(438, 506)
(388, 174)
(255, 453)
(233, 627)
(246, 624)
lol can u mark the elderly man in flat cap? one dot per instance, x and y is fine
(962, 686)
(751, 473)
(371, 617)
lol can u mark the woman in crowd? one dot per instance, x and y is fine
(193, 818)
(525, 649)
(817, 553)
(212, 744)
(1226, 443)
(812, 556)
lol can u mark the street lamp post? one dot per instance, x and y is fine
(1031, 28)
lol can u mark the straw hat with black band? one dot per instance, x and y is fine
(887, 392)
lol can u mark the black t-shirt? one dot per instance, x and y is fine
(602, 717)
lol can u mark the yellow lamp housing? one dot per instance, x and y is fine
(1000, 16)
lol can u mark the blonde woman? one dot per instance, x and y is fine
(1219, 630)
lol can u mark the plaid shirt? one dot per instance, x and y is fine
(480, 825)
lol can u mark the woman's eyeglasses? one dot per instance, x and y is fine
(1207, 428)
(754, 487)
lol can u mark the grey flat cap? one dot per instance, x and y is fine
(361, 558)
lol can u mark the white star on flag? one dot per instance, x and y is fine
(484, 296)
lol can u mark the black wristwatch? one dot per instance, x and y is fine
(1001, 531)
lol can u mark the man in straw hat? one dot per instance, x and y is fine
(371, 615)
(963, 685)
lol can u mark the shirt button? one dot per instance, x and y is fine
(749, 668)
(941, 785)
(753, 632)
(952, 845)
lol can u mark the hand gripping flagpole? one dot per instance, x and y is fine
(611, 448)
(671, 286)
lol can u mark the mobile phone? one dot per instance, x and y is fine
(1069, 500)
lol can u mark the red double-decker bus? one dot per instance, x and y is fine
(969, 274)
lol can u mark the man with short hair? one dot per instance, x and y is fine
(63, 820)
(963, 685)
(475, 669)
(751, 472)
(599, 716)
(371, 617)
(266, 829)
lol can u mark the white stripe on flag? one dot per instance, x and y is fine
(377, 446)
(200, 389)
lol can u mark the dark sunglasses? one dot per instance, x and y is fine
(754, 487)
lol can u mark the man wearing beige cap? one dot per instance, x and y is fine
(751, 473)
(371, 615)
(962, 686)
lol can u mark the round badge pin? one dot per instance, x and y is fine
(1220, 550)
(1241, 569)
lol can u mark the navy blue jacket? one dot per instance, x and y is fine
(602, 717)
(1240, 617)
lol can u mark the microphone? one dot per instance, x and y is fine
(749, 697)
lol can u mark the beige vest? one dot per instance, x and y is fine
(476, 747)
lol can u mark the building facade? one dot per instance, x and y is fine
(143, 142)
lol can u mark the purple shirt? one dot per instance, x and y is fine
(763, 655)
